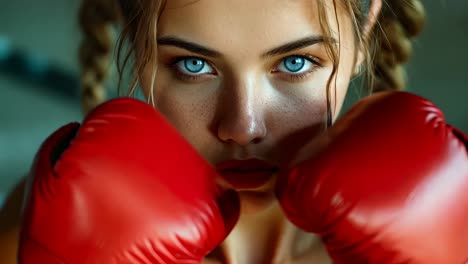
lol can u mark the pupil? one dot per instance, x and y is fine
(194, 65)
(294, 64)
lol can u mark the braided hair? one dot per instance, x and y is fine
(97, 18)
(386, 49)
(400, 21)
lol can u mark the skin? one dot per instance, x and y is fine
(244, 106)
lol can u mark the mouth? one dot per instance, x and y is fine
(247, 174)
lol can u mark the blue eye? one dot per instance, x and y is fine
(295, 64)
(193, 66)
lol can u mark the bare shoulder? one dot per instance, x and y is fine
(10, 218)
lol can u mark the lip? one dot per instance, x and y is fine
(246, 174)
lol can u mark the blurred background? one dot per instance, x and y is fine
(39, 88)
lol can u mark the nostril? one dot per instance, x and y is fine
(256, 140)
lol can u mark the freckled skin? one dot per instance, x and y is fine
(244, 109)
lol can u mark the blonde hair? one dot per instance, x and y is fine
(386, 49)
(96, 18)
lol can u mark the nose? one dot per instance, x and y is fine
(241, 118)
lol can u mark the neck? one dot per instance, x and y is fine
(266, 236)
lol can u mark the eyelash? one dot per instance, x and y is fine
(291, 77)
(301, 76)
(172, 65)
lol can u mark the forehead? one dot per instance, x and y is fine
(240, 23)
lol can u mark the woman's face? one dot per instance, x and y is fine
(246, 80)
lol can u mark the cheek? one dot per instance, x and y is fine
(187, 109)
(301, 112)
(295, 119)
(305, 105)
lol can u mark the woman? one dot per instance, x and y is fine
(238, 78)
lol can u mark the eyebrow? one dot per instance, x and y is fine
(297, 44)
(285, 48)
(190, 46)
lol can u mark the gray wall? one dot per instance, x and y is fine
(28, 112)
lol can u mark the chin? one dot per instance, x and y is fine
(255, 202)
(258, 199)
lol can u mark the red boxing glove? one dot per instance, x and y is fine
(125, 187)
(388, 183)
